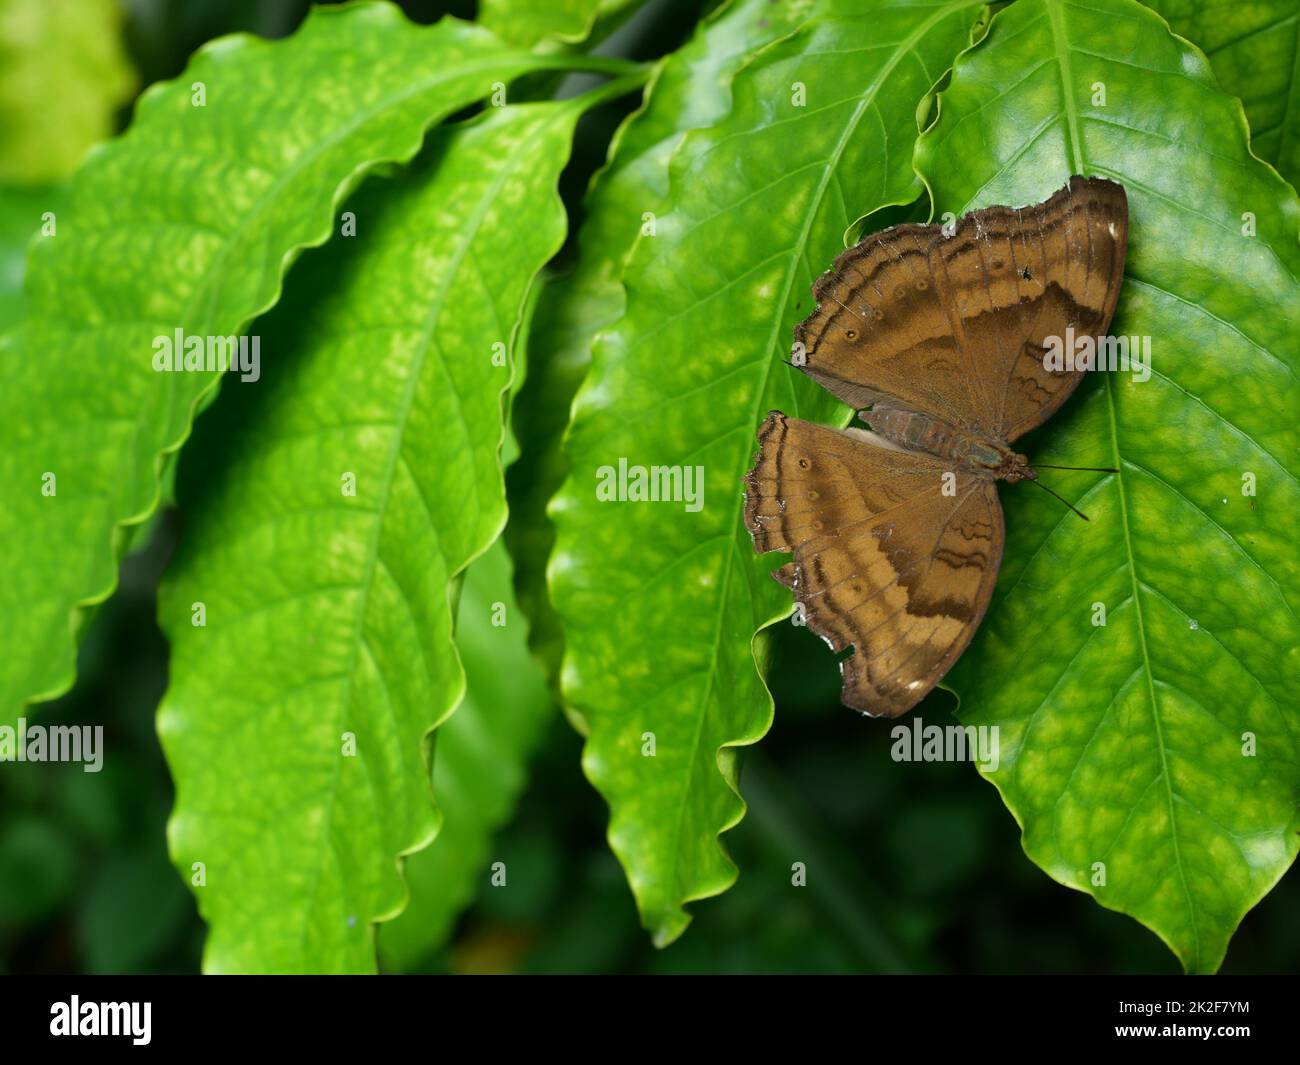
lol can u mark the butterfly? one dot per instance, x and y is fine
(938, 336)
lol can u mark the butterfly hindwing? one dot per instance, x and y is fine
(884, 561)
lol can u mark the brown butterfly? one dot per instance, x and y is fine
(939, 339)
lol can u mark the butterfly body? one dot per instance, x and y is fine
(973, 451)
(936, 336)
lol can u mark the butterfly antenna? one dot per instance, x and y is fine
(1086, 469)
(1060, 497)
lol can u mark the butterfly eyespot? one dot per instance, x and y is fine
(922, 285)
(878, 315)
(813, 493)
(900, 292)
(850, 334)
(817, 525)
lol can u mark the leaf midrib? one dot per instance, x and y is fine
(469, 234)
(798, 252)
(1074, 145)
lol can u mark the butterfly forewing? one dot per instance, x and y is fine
(884, 561)
(955, 324)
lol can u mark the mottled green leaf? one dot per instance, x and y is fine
(659, 602)
(63, 75)
(479, 764)
(1158, 750)
(528, 22)
(327, 614)
(188, 222)
(690, 90)
(1254, 48)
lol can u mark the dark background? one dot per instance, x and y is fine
(913, 867)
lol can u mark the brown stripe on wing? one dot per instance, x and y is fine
(904, 666)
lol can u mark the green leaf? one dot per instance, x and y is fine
(527, 22)
(63, 75)
(188, 222)
(21, 211)
(480, 766)
(38, 871)
(690, 90)
(659, 602)
(327, 615)
(1254, 49)
(483, 749)
(1164, 742)
(131, 911)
